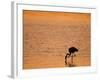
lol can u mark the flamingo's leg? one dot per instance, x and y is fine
(72, 59)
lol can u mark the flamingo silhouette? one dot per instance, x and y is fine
(71, 54)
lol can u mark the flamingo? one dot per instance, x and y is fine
(71, 54)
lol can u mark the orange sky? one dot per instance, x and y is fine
(31, 16)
